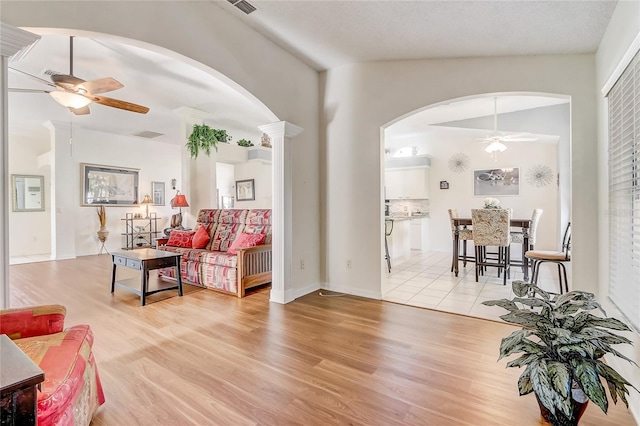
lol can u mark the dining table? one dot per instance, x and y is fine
(523, 224)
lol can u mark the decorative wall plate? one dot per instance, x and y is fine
(459, 162)
(539, 176)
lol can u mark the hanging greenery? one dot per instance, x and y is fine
(204, 138)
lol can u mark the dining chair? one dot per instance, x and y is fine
(464, 235)
(491, 229)
(538, 257)
(517, 237)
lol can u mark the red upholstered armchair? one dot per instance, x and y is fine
(71, 391)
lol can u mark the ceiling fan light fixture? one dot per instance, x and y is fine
(496, 146)
(70, 100)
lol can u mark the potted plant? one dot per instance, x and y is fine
(561, 345)
(102, 218)
(204, 138)
(245, 143)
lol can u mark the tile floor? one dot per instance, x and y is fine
(425, 280)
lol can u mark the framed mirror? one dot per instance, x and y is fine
(27, 193)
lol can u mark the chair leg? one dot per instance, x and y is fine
(453, 255)
(560, 276)
(566, 282)
(478, 260)
(464, 254)
(535, 268)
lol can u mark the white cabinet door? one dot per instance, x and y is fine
(394, 183)
(407, 183)
(416, 234)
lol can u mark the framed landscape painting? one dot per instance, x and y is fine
(117, 186)
(496, 182)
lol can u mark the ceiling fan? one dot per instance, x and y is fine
(76, 94)
(496, 141)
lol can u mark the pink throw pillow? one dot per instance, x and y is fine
(246, 240)
(201, 238)
(178, 238)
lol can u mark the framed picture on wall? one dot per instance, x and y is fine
(245, 190)
(117, 186)
(157, 191)
(496, 182)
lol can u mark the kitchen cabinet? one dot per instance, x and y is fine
(407, 183)
(420, 234)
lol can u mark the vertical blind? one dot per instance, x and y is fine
(624, 192)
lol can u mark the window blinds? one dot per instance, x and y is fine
(624, 192)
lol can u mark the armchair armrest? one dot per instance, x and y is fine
(31, 321)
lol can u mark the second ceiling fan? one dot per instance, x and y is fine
(497, 139)
(76, 94)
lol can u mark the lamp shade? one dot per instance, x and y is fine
(146, 200)
(180, 201)
(69, 100)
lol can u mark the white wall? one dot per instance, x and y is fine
(361, 98)
(622, 30)
(460, 194)
(29, 232)
(218, 40)
(155, 162)
(261, 175)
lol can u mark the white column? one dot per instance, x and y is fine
(282, 209)
(13, 41)
(64, 191)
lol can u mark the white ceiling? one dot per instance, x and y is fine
(323, 34)
(328, 33)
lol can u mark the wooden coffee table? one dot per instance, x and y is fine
(145, 260)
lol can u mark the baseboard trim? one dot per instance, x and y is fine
(377, 295)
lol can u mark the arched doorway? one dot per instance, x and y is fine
(449, 136)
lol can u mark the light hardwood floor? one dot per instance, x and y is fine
(212, 359)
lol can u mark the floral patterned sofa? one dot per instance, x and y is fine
(71, 392)
(213, 266)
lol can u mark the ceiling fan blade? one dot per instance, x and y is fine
(116, 103)
(80, 111)
(508, 139)
(100, 85)
(38, 79)
(29, 91)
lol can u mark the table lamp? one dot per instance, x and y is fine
(146, 201)
(179, 201)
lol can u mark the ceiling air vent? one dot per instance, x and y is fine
(49, 72)
(148, 134)
(243, 5)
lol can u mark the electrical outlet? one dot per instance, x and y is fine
(302, 264)
(349, 264)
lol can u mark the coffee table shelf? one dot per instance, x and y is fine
(144, 261)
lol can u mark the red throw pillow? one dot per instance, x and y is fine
(201, 238)
(246, 240)
(178, 238)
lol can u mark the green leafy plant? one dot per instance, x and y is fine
(244, 142)
(561, 345)
(204, 138)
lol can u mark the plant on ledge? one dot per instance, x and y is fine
(204, 138)
(561, 345)
(244, 142)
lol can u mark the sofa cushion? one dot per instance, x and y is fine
(179, 238)
(232, 216)
(244, 240)
(258, 217)
(203, 256)
(201, 238)
(225, 235)
(259, 229)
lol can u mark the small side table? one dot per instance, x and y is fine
(162, 241)
(19, 378)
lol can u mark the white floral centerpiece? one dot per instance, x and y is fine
(492, 203)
